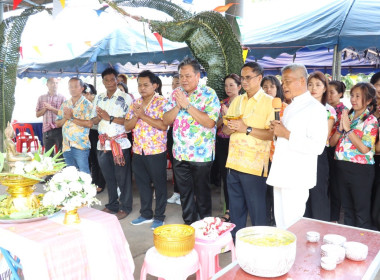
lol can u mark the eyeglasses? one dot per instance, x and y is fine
(248, 78)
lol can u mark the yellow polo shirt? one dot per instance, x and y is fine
(246, 153)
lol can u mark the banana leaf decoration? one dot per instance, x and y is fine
(10, 38)
(208, 35)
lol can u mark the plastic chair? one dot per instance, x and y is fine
(208, 253)
(22, 137)
(170, 268)
(14, 264)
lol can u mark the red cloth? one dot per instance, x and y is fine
(117, 152)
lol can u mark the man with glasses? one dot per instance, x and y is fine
(249, 148)
(301, 137)
(193, 109)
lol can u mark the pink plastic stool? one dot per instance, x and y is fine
(170, 268)
(209, 254)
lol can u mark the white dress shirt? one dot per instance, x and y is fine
(294, 162)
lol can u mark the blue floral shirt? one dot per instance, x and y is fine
(192, 141)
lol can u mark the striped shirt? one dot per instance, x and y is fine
(49, 117)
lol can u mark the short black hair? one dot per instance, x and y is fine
(256, 68)
(109, 71)
(192, 62)
(149, 74)
(375, 78)
(159, 85)
(81, 83)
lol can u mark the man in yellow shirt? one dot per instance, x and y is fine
(249, 149)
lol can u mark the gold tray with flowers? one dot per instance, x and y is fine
(16, 180)
(229, 118)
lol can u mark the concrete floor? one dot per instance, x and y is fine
(140, 238)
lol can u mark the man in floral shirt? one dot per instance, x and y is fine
(193, 109)
(110, 109)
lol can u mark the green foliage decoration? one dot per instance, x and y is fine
(10, 38)
(208, 35)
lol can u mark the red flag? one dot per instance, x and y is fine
(22, 56)
(222, 9)
(159, 39)
(16, 3)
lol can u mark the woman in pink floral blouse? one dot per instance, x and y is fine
(355, 147)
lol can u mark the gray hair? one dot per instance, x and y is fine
(296, 67)
(192, 62)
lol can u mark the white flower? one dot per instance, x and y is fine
(58, 178)
(85, 177)
(70, 173)
(75, 186)
(19, 168)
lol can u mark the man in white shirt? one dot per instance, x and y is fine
(301, 137)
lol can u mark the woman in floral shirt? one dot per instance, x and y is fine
(335, 93)
(355, 147)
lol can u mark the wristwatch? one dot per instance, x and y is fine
(111, 119)
(249, 129)
(187, 107)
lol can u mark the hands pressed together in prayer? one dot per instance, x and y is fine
(138, 110)
(102, 114)
(181, 99)
(237, 126)
(279, 129)
(68, 113)
(47, 106)
(345, 123)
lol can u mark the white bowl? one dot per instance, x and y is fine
(328, 263)
(265, 251)
(312, 236)
(334, 239)
(333, 251)
(356, 251)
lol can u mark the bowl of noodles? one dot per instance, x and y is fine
(265, 251)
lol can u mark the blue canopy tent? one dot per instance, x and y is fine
(335, 24)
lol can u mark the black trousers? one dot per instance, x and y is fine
(53, 137)
(193, 183)
(169, 145)
(355, 182)
(335, 204)
(96, 173)
(318, 203)
(221, 152)
(147, 169)
(376, 195)
(117, 176)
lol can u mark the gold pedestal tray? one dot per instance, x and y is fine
(71, 217)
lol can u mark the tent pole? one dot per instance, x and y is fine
(337, 64)
(94, 71)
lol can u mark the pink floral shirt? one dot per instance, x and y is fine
(146, 138)
(192, 141)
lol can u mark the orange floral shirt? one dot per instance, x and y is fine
(146, 137)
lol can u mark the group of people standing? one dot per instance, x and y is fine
(313, 159)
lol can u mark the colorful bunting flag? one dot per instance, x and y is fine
(222, 9)
(62, 3)
(245, 53)
(88, 43)
(37, 49)
(70, 46)
(101, 10)
(159, 39)
(21, 54)
(16, 3)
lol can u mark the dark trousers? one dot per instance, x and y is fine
(355, 183)
(117, 176)
(53, 137)
(96, 173)
(221, 151)
(318, 203)
(376, 195)
(335, 204)
(247, 195)
(271, 221)
(169, 145)
(193, 184)
(147, 169)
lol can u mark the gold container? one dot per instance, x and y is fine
(174, 240)
(71, 217)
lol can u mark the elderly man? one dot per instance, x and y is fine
(110, 109)
(248, 155)
(194, 109)
(74, 117)
(47, 107)
(301, 137)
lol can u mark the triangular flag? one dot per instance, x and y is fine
(29, 80)
(222, 9)
(58, 7)
(70, 46)
(245, 53)
(159, 39)
(37, 49)
(88, 43)
(22, 56)
(16, 3)
(101, 10)
(62, 3)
